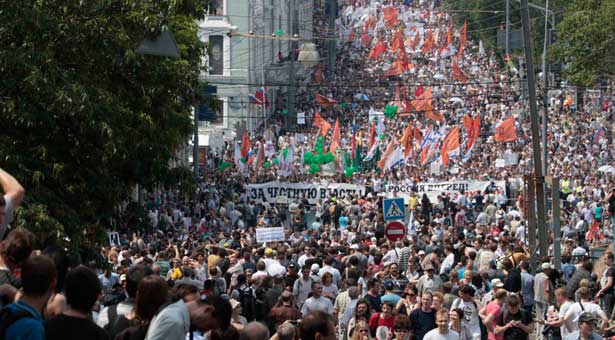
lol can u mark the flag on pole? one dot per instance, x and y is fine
(260, 157)
(237, 157)
(385, 156)
(372, 135)
(377, 50)
(407, 139)
(286, 158)
(464, 32)
(322, 124)
(371, 153)
(246, 146)
(450, 145)
(335, 139)
(506, 131)
(395, 159)
(259, 97)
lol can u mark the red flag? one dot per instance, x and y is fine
(403, 58)
(593, 230)
(416, 41)
(506, 131)
(432, 114)
(419, 91)
(458, 74)
(395, 69)
(377, 50)
(366, 39)
(335, 139)
(324, 101)
(245, 145)
(372, 135)
(450, 144)
(429, 43)
(473, 129)
(449, 36)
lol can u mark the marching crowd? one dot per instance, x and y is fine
(462, 272)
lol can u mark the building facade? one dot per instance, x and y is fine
(238, 64)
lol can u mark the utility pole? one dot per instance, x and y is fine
(291, 116)
(531, 87)
(545, 82)
(331, 36)
(507, 50)
(557, 241)
(195, 149)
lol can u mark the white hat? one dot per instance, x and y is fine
(315, 267)
(497, 283)
(354, 246)
(545, 266)
(421, 252)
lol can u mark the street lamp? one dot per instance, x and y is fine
(163, 45)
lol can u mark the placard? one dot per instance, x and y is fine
(272, 234)
(272, 191)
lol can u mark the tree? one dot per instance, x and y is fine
(85, 118)
(585, 41)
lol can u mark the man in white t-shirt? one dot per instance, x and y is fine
(317, 302)
(585, 305)
(470, 307)
(442, 332)
(13, 195)
(564, 304)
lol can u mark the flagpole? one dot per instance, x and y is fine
(264, 100)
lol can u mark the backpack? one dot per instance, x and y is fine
(248, 303)
(9, 317)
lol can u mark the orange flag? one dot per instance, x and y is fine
(395, 69)
(321, 123)
(387, 153)
(432, 114)
(458, 74)
(449, 36)
(335, 139)
(473, 130)
(416, 41)
(450, 144)
(406, 140)
(428, 44)
(324, 101)
(377, 50)
(506, 131)
(464, 33)
(398, 42)
(390, 16)
(466, 122)
(245, 145)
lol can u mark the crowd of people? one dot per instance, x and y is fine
(462, 272)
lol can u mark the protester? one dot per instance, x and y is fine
(12, 198)
(442, 332)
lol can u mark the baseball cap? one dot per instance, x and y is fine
(388, 284)
(421, 252)
(587, 317)
(428, 266)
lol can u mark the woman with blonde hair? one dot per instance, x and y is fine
(361, 331)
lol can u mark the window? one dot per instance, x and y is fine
(215, 7)
(216, 55)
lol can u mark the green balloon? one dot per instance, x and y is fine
(284, 153)
(314, 168)
(275, 161)
(267, 165)
(383, 136)
(224, 165)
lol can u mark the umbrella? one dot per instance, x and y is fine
(361, 96)
(456, 100)
(439, 76)
(607, 169)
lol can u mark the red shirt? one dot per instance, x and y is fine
(376, 321)
(494, 308)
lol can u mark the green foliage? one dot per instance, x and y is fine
(84, 117)
(586, 42)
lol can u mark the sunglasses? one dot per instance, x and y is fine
(364, 331)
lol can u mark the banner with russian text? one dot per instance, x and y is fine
(285, 192)
(434, 189)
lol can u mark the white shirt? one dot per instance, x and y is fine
(575, 310)
(435, 334)
(317, 304)
(563, 309)
(337, 277)
(276, 269)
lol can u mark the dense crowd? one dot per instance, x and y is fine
(462, 272)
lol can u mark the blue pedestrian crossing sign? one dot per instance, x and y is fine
(394, 209)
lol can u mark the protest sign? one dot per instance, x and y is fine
(272, 191)
(269, 234)
(434, 189)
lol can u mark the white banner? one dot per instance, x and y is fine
(434, 189)
(277, 192)
(269, 234)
